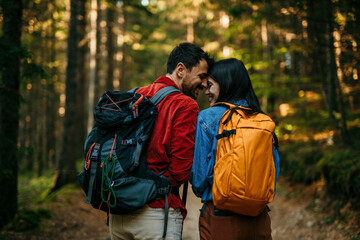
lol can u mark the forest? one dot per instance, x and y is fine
(58, 57)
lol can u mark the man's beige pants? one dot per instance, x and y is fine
(146, 223)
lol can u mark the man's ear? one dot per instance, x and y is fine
(180, 70)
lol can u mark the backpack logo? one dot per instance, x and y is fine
(244, 171)
(115, 177)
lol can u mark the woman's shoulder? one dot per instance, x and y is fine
(212, 114)
(211, 111)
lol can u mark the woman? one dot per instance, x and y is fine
(228, 81)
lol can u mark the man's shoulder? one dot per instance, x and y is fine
(183, 101)
(176, 99)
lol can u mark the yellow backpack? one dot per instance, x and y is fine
(244, 171)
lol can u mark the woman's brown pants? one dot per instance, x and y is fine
(220, 225)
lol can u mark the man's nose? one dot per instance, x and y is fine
(207, 91)
(204, 84)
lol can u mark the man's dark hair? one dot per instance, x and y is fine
(189, 54)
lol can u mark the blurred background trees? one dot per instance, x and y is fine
(11, 53)
(303, 58)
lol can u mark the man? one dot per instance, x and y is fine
(171, 145)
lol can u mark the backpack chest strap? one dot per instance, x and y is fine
(226, 133)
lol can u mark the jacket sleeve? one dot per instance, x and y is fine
(199, 170)
(276, 163)
(182, 143)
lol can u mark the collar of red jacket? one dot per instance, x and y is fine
(167, 81)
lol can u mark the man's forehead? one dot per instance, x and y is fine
(202, 67)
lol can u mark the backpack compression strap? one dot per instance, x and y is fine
(93, 165)
(95, 152)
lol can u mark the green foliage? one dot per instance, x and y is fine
(339, 164)
(32, 71)
(33, 193)
(36, 190)
(31, 188)
(299, 161)
(29, 220)
(341, 169)
(65, 194)
(356, 236)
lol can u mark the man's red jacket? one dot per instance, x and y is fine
(171, 145)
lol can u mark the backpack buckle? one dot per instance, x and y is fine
(95, 152)
(139, 139)
(226, 133)
(127, 142)
(164, 190)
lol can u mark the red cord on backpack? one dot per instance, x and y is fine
(112, 148)
(108, 213)
(113, 101)
(88, 156)
(135, 106)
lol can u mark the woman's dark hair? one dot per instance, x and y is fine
(189, 54)
(235, 83)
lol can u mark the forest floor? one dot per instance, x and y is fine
(298, 212)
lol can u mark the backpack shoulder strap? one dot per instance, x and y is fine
(230, 106)
(224, 104)
(162, 93)
(276, 142)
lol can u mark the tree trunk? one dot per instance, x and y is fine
(92, 79)
(267, 41)
(190, 36)
(317, 32)
(98, 88)
(81, 78)
(41, 107)
(334, 80)
(66, 172)
(110, 11)
(9, 107)
(40, 143)
(124, 84)
(51, 102)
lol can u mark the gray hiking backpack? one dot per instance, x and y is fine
(115, 177)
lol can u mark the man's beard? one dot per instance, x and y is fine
(188, 92)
